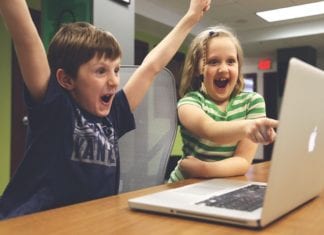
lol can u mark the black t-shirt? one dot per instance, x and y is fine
(71, 156)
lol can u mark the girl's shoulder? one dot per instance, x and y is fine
(248, 96)
(196, 97)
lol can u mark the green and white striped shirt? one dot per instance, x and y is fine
(246, 105)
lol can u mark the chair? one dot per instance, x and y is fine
(144, 152)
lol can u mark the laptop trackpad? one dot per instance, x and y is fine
(210, 186)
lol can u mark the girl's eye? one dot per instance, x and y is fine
(117, 70)
(212, 62)
(231, 61)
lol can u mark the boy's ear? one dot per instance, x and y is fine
(64, 80)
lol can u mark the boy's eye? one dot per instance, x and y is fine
(101, 71)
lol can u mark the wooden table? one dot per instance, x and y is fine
(111, 215)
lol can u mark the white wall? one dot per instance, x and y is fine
(119, 19)
(251, 66)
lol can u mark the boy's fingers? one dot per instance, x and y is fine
(207, 6)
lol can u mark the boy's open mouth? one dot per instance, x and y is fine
(106, 98)
(221, 83)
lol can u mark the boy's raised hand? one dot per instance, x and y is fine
(28, 45)
(137, 86)
(199, 7)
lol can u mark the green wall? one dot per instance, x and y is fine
(5, 104)
(5, 99)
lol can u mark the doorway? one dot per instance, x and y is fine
(271, 97)
(18, 107)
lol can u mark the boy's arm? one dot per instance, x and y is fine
(137, 86)
(28, 45)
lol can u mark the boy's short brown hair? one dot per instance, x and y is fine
(76, 43)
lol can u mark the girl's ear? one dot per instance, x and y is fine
(64, 80)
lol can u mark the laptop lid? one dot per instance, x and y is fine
(297, 158)
(296, 164)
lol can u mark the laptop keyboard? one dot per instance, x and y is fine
(248, 198)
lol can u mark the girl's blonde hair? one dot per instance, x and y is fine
(191, 75)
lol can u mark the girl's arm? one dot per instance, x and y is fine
(233, 166)
(140, 81)
(200, 124)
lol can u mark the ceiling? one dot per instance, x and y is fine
(258, 37)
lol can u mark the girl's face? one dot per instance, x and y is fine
(96, 85)
(221, 70)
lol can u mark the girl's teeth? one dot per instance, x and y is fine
(221, 83)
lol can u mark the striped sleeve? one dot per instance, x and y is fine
(256, 107)
(193, 98)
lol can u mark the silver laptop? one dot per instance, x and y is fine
(295, 173)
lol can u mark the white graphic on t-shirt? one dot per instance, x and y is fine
(93, 142)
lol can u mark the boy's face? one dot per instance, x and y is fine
(96, 84)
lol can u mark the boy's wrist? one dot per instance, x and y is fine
(192, 17)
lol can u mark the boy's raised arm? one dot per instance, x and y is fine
(159, 57)
(28, 45)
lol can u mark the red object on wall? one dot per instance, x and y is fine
(264, 64)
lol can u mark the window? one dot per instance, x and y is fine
(250, 82)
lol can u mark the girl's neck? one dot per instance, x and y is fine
(222, 105)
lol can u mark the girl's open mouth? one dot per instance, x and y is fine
(221, 83)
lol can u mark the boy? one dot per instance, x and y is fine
(76, 114)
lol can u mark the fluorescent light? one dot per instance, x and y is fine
(293, 12)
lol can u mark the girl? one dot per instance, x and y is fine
(220, 123)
